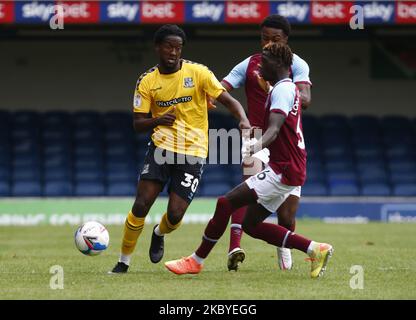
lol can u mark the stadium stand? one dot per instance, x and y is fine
(89, 153)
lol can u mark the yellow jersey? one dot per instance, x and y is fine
(185, 91)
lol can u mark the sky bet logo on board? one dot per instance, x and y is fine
(378, 12)
(80, 11)
(120, 11)
(6, 12)
(406, 12)
(331, 12)
(162, 12)
(34, 12)
(246, 11)
(295, 12)
(205, 11)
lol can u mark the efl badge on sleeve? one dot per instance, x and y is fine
(137, 100)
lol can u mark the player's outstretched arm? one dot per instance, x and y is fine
(142, 122)
(235, 108)
(211, 101)
(276, 121)
(305, 94)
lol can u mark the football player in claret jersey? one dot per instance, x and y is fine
(274, 28)
(265, 192)
(171, 100)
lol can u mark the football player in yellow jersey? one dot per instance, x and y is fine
(171, 100)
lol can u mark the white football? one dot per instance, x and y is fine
(92, 238)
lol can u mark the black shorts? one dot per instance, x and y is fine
(183, 173)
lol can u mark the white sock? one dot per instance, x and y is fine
(197, 258)
(125, 259)
(310, 248)
(157, 231)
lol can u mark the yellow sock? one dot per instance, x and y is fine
(132, 229)
(166, 227)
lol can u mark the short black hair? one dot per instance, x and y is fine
(276, 21)
(280, 52)
(169, 30)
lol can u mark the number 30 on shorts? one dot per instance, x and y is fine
(190, 181)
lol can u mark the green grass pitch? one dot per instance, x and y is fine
(385, 251)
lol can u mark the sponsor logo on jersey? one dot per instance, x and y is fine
(120, 11)
(174, 101)
(188, 83)
(162, 11)
(246, 11)
(204, 11)
(296, 12)
(378, 12)
(331, 12)
(406, 12)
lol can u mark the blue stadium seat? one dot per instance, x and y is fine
(375, 189)
(4, 188)
(374, 176)
(216, 176)
(5, 157)
(314, 189)
(215, 189)
(398, 151)
(86, 118)
(25, 118)
(88, 175)
(57, 160)
(27, 189)
(118, 135)
(25, 173)
(364, 122)
(27, 147)
(371, 167)
(87, 134)
(82, 151)
(89, 189)
(57, 173)
(340, 165)
(364, 151)
(118, 119)
(86, 163)
(337, 150)
(402, 166)
(56, 119)
(57, 148)
(395, 121)
(26, 160)
(58, 135)
(310, 121)
(404, 190)
(5, 172)
(57, 189)
(124, 189)
(344, 189)
(124, 150)
(403, 177)
(367, 141)
(334, 121)
(121, 175)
